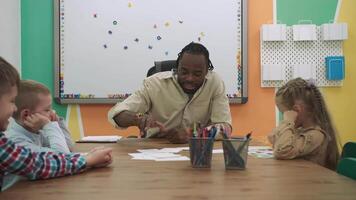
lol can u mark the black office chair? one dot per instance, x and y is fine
(161, 66)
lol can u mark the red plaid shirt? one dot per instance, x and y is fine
(21, 161)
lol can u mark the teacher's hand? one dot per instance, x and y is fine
(178, 135)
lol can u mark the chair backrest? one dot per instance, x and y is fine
(347, 167)
(160, 66)
(349, 150)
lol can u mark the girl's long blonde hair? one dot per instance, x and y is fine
(299, 89)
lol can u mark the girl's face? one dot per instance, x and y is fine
(281, 107)
(297, 107)
(7, 107)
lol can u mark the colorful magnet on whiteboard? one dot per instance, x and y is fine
(114, 22)
(167, 24)
(159, 37)
(129, 5)
(150, 47)
(136, 39)
(126, 47)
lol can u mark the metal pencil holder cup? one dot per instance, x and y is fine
(201, 150)
(235, 153)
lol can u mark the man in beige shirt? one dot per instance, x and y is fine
(171, 102)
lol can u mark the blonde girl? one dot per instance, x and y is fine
(306, 130)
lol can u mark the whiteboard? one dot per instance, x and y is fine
(104, 48)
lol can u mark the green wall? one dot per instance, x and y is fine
(319, 11)
(37, 44)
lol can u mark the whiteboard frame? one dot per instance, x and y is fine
(57, 97)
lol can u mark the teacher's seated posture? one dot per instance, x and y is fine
(169, 103)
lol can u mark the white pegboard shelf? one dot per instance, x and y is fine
(290, 53)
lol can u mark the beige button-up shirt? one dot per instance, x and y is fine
(162, 97)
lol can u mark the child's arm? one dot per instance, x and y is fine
(37, 142)
(21, 161)
(287, 124)
(288, 144)
(66, 133)
(55, 138)
(22, 140)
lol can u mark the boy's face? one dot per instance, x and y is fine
(44, 105)
(7, 107)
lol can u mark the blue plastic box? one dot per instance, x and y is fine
(335, 67)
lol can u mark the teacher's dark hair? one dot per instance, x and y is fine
(195, 48)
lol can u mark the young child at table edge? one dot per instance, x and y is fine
(306, 130)
(36, 126)
(22, 161)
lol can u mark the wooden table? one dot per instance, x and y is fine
(133, 179)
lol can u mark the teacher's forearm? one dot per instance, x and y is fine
(127, 118)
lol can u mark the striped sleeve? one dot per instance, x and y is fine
(21, 161)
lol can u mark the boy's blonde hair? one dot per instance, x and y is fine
(309, 94)
(9, 77)
(27, 97)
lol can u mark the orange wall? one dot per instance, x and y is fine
(257, 114)
(95, 121)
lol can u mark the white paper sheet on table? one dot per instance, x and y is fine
(218, 151)
(167, 150)
(165, 154)
(255, 151)
(260, 151)
(100, 139)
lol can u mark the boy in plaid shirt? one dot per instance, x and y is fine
(21, 161)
